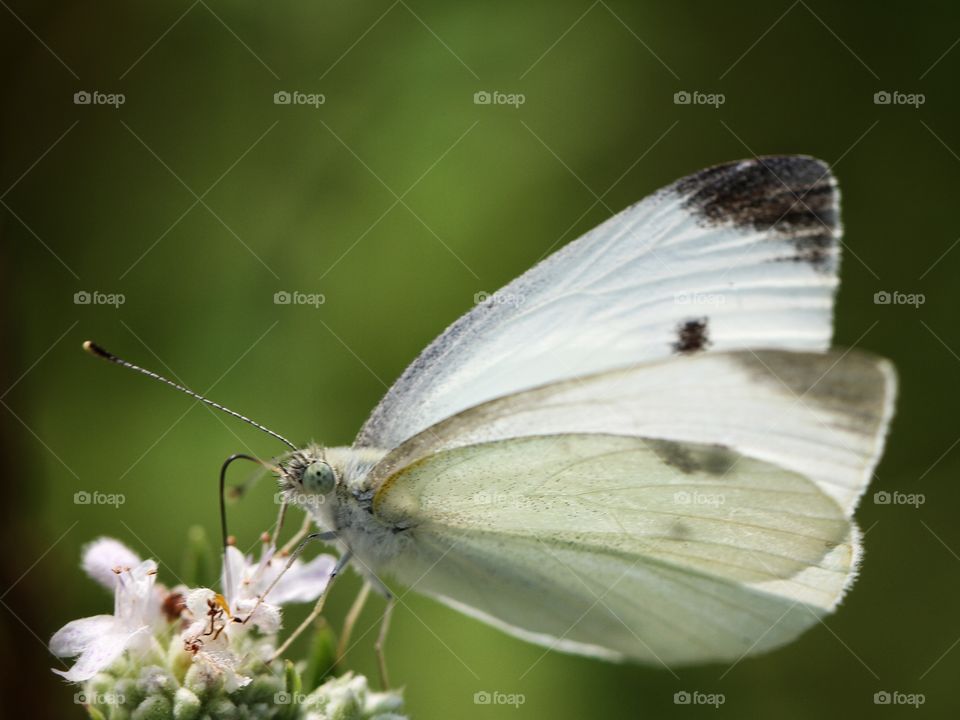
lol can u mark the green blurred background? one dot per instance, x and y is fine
(399, 199)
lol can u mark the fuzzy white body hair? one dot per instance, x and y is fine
(346, 511)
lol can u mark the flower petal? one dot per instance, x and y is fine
(198, 601)
(135, 601)
(102, 556)
(234, 570)
(225, 662)
(265, 616)
(303, 582)
(74, 637)
(100, 653)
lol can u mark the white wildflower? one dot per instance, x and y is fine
(189, 653)
(220, 621)
(101, 639)
(244, 579)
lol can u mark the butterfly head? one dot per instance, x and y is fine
(309, 479)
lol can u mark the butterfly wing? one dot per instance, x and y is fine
(550, 467)
(598, 544)
(822, 415)
(743, 255)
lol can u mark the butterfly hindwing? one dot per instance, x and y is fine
(621, 547)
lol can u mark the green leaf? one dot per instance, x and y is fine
(199, 566)
(321, 662)
(293, 687)
(291, 678)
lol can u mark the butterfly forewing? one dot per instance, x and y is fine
(742, 255)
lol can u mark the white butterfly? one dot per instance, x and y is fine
(650, 452)
(643, 448)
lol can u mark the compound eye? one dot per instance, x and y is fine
(319, 478)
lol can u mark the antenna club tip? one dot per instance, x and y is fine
(91, 347)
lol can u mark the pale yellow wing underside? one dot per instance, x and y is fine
(620, 546)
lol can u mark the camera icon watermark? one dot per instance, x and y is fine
(95, 97)
(895, 497)
(295, 97)
(483, 697)
(95, 497)
(696, 97)
(495, 97)
(895, 697)
(883, 297)
(295, 297)
(695, 697)
(86, 297)
(895, 97)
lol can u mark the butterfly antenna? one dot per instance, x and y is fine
(97, 351)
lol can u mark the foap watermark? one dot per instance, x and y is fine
(684, 497)
(895, 697)
(895, 497)
(895, 97)
(482, 697)
(298, 498)
(95, 698)
(295, 297)
(496, 498)
(95, 497)
(295, 97)
(86, 297)
(289, 698)
(95, 97)
(882, 297)
(698, 298)
(495, 97)
(499, 298)
(695, 697)
(695, 97)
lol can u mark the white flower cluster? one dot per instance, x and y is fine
(190, 653)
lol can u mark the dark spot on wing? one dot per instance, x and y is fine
(793, 197)
(680, 530)
(691, 336)
(694, 458)
(717, 460)
(675, 455)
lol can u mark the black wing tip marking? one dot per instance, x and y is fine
(792, 196)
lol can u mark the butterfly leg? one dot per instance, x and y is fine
(322, 536)
(318, 608)
(351, 620)
(300, 534)
(380, 646)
